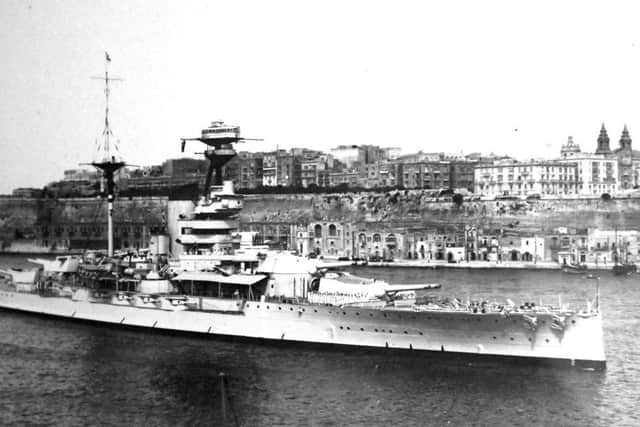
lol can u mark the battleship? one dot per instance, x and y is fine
(223, 284)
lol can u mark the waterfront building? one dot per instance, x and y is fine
(436, 245)
(488, 246)
(81, 235)
(524, 248)
(527, 178)
(378, 245)
(608, 246)
(421, 245)
(567, 246)
(330, 239)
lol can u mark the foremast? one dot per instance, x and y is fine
(108, 158)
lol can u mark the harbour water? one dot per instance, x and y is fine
(64, 373)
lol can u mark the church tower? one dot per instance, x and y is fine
(625, 139)
(603, 142)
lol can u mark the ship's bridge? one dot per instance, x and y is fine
(218, 132)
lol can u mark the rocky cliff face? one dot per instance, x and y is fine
(415, 210)
(21, 218)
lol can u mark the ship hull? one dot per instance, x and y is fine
(432, 334)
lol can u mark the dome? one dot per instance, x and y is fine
(570, 148)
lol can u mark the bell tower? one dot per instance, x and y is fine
(603, 142)
(625, 139)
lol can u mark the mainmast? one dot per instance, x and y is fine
(106, 161)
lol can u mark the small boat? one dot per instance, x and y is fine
(574, 269)
(624, 269)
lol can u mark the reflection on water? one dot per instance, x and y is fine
(60, 372)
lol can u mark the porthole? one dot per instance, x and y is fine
(362, 329)
(258, 306)
(290, 308)
(405, 332)
(315, 311)
(344, 313)
(546, 340)
(390, 331)
(376, 329)
(247, 305)
(267, 307)
(420, 333)
(370, 314)
(573, 322)
(279, 308)
(494, 337)
(529, 339)
(341, 327)
(348, 328)
(511, 338)
(303, 309)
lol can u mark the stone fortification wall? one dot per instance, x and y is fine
(21, 218)
(78, 210)
(415, 211)
(18, 217)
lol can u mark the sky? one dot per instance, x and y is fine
(509, 77)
